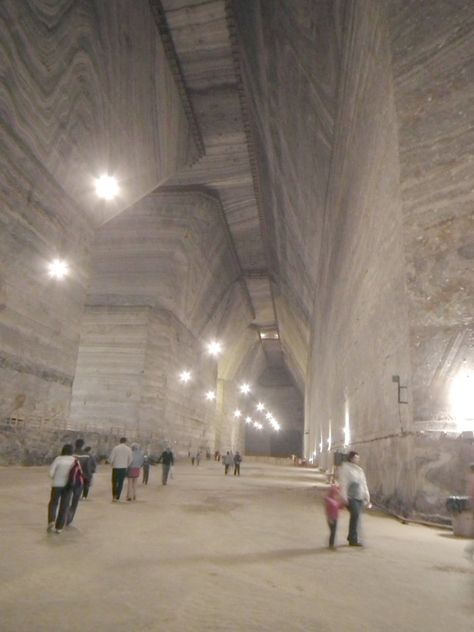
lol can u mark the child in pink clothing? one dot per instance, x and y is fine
(333, 502)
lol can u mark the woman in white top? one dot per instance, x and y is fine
(60, 493)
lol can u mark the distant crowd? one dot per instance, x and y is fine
(73, 470)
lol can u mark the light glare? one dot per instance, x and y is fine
(244, 389)
(237, 413)
(106, 187)
(462, 401)
(260, 406)
(210, 396)
(185, 376)
(214, 348)
(58, 269)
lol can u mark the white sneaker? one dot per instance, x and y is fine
(58, 531)
(50, 527)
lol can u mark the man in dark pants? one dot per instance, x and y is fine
(120, 458)
(167, 460)
(237, 462)
(83, 459)
(146, 469)
(355, 493)
(91, 468)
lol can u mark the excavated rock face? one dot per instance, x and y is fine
(294, 181)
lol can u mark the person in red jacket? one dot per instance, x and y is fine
(333, 502)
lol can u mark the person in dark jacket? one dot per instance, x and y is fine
(91, 468)
(237, 462)
(146, 469)
(167, 460)
(83, 459)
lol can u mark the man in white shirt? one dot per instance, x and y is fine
(120, 458)
(355, 493)
(60, 491)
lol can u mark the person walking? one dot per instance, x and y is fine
(60, 491)
(237, 462)
(146, 469)
(227, 461)
(355, 493)
(120, 458)
(167, 460)
(133, 471)
(78, 487)
(92, 466)
(332, 503)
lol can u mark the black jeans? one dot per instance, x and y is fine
(332, 532)
(118, 477)
(146, 474)
(87, 485)
(236, 469)
(62, 497)
(75, 498)
(355, 509)
(165, 473)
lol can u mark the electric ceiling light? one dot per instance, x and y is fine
(237, 413)
(58, 269)
(248, 420)
(210, 396)
(244, 389)
(214, 348)
(106, 187)
(185, 376)
(260, 406)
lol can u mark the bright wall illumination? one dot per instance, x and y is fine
(461, 396)
(106, 187)
(58, 269)
(347, 428)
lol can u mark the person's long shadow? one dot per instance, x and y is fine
(249, 558)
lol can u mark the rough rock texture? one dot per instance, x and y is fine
(295, 181)
(365, 168)
(433, 61)
(79, 96)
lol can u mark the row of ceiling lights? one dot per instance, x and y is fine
(214, 348)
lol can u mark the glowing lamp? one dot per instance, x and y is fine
(106, 187)
(185, 376)
(58, 269)
(214, 348)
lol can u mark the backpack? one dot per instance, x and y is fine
(75, 477)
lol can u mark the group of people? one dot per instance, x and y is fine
(73, 470)
(230, 459)
(71, 474)
(353, 493)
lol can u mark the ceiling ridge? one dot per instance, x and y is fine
(176, 70)
(251, 144)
